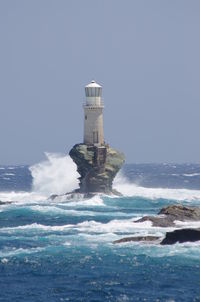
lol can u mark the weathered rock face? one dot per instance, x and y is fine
(166, 218)
(97, 167)
(146, 239)
(180, 236)
(183, 235)
(181, 213)
(168, 215)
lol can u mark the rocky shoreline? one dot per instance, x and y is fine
(168, 215)
(166, 218)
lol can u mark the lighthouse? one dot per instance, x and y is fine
(93, 115)
(97, 163)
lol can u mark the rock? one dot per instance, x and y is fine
(168, 215)
(163, 222)
(182, 213)
(53, 196)
(137, 239)
(97, 166)
(182, 235)
(4, 202)
(166, 218)
(75, 196)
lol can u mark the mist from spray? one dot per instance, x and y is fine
(55, 175)
(58, 175)
(127, 188)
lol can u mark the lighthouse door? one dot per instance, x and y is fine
(95, 137)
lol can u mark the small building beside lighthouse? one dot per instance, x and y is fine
(93, 115)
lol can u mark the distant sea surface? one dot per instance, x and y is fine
(63, 250)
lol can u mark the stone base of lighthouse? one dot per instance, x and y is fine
(97, 166)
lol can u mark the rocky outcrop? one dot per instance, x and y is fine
(4, 202)
(157, 221)
(177, 236)
(168, 215)
(166, 218)
(182, 213)
(137, 239)
(97, 166)
(183, 235)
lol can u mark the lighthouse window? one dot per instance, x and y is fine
(95, 137)
(85, 117)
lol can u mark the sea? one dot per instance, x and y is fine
(62, 250)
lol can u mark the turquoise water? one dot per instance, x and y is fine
(63, 250)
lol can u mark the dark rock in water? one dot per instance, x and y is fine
(97, 166)
(166, 218)
(157, 221)
(182, 235)
(68, 196)
(53, 196)
(4, 202)
(182, 213)
(137, 239)
(168, 215)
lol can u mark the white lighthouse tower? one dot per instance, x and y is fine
(93, 115)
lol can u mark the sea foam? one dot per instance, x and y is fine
(124, 186)
(57, 174)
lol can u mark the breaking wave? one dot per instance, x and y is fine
(56, 175)
(74, 239)
(124, 186)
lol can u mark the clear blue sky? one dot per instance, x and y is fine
(145, 54)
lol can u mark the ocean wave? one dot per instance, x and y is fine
(96, 200)
(17, 252)
(121, 225)
(8, 174)
(92, 233)
(117, 229)
(182, 250)
(22, 197)
(86, 232)
(56, 175)
(19, 198)
(35, 226)
(56, 210)
(191, 175)
(187, 224)
(130, 189)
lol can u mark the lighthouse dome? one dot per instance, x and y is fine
(93, 89)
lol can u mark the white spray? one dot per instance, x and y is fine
(123, 185)
(58, 175)
(55, 175)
